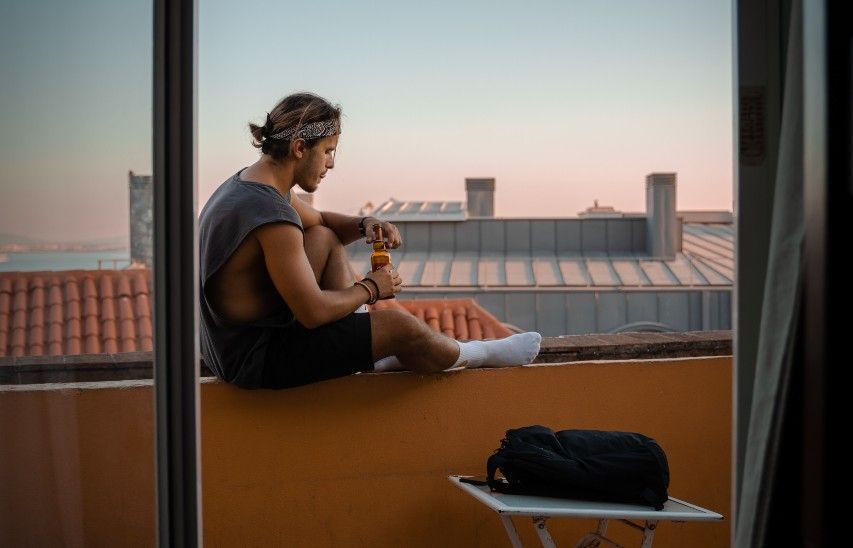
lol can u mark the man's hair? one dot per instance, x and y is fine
(292, 113)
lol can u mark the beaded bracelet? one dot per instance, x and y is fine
(375, 286)
(372, 298)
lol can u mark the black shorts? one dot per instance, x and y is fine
(297, 355)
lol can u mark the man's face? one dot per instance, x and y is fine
(316, 162)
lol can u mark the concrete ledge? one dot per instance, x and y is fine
(630, 346)
(568, 348)
(356, 461)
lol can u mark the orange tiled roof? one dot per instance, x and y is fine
(74, 312)
(107, 311)
(458, 318)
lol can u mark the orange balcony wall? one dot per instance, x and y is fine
(359, 461)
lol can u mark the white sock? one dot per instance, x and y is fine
(391, 363)
(518, 349)
(362, 309)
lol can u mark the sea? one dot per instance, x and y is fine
(35, 261)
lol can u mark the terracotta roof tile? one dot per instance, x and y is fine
(431, 316)
(18, 341)
(108, 310)
(73, 346)
(19, 319)
(91, 345)
(73, 312)
(475, 332)
(108, 332)
(37, 316)
(446, 322)
(144, 328)
(36, 336)
(54, 339)
(123, 287)
(37, 299)
(128, 330)
(460, 323)
(55, 314)
(19, 301)
(72, 328)
(143, 306)
(72, 293)
(140, 284)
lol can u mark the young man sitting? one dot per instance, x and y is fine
(279, 300)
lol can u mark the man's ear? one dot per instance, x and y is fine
(298, 147)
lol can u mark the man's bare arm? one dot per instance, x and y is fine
(344, 226)
(294, 279)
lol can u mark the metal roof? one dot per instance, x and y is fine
(706, 260)
(393, 210)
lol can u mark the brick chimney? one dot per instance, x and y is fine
(663, 227)
(481, 197)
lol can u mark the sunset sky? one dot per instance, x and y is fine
(563, 102)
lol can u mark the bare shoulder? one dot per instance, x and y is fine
(278, 237)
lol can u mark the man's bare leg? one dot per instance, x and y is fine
(400, 334)
(419, 348)
(328, 258)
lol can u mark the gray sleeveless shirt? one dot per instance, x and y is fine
(235, 352)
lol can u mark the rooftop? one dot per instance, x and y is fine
(556, 253)
(394, 210)
(109, 311)
(74, 312)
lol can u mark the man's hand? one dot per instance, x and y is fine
(392, 235)
(388, 281)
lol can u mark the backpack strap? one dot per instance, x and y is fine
(495, 461)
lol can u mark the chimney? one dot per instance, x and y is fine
(663, 228)
(481, 197)
(141, 219)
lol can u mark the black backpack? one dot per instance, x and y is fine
(581, 464)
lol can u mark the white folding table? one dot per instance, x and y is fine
(542, 508)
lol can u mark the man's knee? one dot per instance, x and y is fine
(319, 235)
(408, 330)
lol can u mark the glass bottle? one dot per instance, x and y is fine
(380, 256)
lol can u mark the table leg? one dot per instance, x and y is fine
(542, 531)
(649, 534)
(511, 531)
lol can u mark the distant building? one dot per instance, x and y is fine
(396, 211)
(658, 270)
(599, 211)
(141, 219)
(480, 204)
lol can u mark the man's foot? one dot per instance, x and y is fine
(518, 349)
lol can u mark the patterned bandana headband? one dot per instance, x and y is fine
(313, 130)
